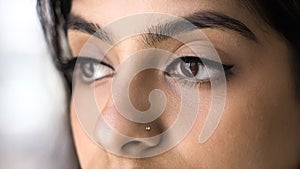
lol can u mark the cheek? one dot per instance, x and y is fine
(260, 125)
(88, 152)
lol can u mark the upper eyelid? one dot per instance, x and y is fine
(83, 58)
(206, 62)
(203, 60)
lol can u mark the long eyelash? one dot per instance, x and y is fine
(227, 69)
(189, 83)
(204, 60)
(83, 60)
(192, 83)
(195, 58)
(68, 68)
(70, 65)
(89, 59)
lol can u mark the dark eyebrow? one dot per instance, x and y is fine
(201, 20)
(78, 23)
(221, 21)
(157, 33)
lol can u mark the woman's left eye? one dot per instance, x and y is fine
(93, 69)
(192, 69)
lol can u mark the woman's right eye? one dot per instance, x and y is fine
(93, 69)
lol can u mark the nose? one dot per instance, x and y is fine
(120, 135)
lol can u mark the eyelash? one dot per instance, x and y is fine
(204, 63)
(83, 61)
(69, 68)
(77, 62)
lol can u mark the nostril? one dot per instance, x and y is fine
(134, 143)
(131, 144)
(140, 146)
(116, 143)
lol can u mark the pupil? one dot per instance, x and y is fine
(194, 67)
(190, 69)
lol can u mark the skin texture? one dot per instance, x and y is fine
(260, 126)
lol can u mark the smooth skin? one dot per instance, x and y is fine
(260, 126)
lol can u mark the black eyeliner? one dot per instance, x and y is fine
(84, 59)
(204, 61)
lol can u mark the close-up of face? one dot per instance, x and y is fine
(260, 122)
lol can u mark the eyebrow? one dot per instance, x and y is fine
(211, 19)
(199, 20)
(157, 33)
(76, 22)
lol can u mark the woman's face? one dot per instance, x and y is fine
(260, 124)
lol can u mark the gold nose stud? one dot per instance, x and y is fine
(148, 128)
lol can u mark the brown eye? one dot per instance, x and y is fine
(192, 68)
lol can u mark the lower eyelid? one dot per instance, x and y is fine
(95, 80)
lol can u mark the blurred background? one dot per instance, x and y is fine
(34, 128)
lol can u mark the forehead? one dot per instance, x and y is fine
(104, 12)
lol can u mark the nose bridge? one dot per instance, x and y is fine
(134, 73)
(141, 86)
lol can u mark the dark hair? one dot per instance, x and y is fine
(281, 15)
(284, 17)
(53, 16)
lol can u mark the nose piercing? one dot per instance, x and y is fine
(148, 128)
